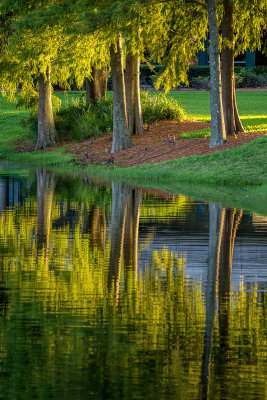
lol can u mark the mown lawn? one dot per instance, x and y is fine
(241, 166)
(252, 106)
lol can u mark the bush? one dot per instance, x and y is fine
(77, 121)
(249, 78)
(196, 71)
(245, 77)
(157, 106)
(200, 82)
(80, 122)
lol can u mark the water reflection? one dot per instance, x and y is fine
(46, 182)
(223, 224)
(98, 300)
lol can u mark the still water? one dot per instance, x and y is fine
(109, 291)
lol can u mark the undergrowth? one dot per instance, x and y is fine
(77, 121)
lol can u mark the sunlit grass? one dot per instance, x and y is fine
(196, 134)
(240, 166)
(251, 106)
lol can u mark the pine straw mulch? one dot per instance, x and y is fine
(160, 142)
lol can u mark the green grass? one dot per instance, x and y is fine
(11, 131)
(246, 165)
(251, 106)
(196, 134)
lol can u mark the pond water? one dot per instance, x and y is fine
(115, 292)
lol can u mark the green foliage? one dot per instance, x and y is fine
(196, 134)
(81, 122)
(198, 76)
(147, 73)
(157, 107)
(249, 78)
(30, 100)
(200, 82)
(196, 71)
(75, 120)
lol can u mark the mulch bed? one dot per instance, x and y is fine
(160, 142)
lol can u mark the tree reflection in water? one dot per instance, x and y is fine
(89, 322)
(222, 232)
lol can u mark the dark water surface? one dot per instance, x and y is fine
(115, 292)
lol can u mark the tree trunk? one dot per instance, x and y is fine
(121, 137)
(231, 117)
(96, 87)
(46, 125)
(238, 124)
(132, 84)
(218, 135)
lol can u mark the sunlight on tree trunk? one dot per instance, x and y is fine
(46, 125)
(121, 137)
(132, 85)
(231, 117)
(218, 135)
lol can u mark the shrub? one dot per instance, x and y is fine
(157, 106)
(78, 121)
(249, 78)
(200, 82)
(245, 77)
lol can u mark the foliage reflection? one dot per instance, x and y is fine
(82, 318)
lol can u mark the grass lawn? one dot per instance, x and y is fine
(11, 130)
(240, 166)
(252, 106)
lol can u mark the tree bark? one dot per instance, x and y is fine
(133, 101)
(46, 125)
(231, 117)
(96, 87)
(121, 137)
(218, 135)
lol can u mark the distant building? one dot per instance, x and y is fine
(248, 59)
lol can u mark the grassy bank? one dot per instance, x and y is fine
(246, 165)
